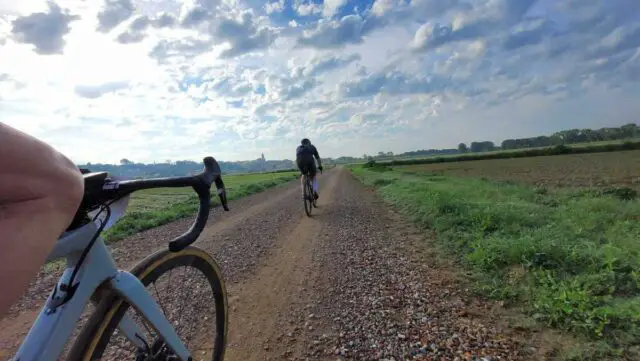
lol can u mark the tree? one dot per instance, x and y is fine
(462, 148)
(485, 146)
(508, 144)
(630, 130)
(569, 136)
(125, 161)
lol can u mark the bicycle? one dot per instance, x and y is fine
(308, 198)
(91, 276)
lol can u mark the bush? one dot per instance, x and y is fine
(383, 182)
(371, 163)
(622, 193)
(376, 167)
(560, 149)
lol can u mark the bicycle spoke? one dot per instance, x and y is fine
(192, 327)
(194, 318)
(160, 300)
(180, 312)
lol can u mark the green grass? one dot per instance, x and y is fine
(578, 148)
(155, 207)
(571, 257)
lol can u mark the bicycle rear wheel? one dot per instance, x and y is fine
(308, 196)
(100, 339)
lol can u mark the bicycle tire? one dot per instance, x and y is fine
(311, 194)
(311, 197)
(95, 335)
(307, 196)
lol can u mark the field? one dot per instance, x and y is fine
(154, 207)
(574, 170)
(578, 148)
(557, 238)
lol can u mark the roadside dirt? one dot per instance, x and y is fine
(260, 302)
(354, 281)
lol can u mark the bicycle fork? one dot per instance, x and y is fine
(57, 319)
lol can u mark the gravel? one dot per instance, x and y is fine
(371, 295)
(375, 302)
(132, 249)
(237, 246)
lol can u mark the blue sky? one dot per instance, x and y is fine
(152, 80)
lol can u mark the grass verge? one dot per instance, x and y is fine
(155, 207)
(570, 258)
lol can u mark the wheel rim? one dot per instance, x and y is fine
(200, 307)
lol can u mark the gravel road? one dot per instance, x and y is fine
(354, 281)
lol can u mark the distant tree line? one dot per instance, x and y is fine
(390, 155)
(518, 153)
(571, 136)
(565, 137)
(131, 169)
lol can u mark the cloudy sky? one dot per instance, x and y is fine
(164, 79)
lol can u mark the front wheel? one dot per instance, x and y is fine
(200, 322)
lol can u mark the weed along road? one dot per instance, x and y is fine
(354, 281)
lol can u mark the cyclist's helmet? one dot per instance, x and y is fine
(305, 141)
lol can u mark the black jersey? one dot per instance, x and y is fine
(306, 151)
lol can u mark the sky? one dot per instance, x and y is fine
(155, 80)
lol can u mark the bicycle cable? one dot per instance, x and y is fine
(68, 287)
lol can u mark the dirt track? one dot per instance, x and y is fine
(354, 281)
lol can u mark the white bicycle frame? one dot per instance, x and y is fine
(53, 327)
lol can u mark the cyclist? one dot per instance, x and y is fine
(304, 158)
(40, 192)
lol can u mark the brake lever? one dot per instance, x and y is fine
(222, 193)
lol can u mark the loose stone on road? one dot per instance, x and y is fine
(354, 281)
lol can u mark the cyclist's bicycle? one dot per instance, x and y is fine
(308, 198)
(113, 332)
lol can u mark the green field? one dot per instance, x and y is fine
(569, 257)
(578, 148)
(154, 207)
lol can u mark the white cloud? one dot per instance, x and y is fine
(331, 7)
(274, 7)
(243, 35)
(307, 8)
(113, 13)
(381, 7)
(44, 30)
(173, 80)
(351, 29)
(93, 92)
